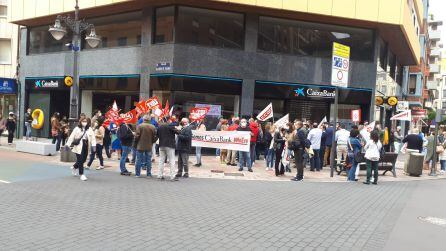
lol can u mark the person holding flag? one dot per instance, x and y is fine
(126, 136)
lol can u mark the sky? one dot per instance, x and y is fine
(438, 9)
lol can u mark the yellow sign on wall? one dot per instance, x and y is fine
(68, 80)
(341, 50)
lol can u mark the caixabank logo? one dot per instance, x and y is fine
(46, 84)
(315, 92)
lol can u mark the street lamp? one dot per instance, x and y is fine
(58, 31)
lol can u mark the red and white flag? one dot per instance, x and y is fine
(198, 113)
(165, 112)
(130, 117)
(267, 113)
(405, 116)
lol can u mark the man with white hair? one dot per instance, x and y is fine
(398, 138)
(183, 146)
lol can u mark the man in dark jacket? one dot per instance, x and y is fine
(126, 136)
(299, 148)
(328, 141)
(145, 137)
(166, 134)
(183, 147)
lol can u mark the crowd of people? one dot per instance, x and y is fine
(297, 144)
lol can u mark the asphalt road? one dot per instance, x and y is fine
(43, 207)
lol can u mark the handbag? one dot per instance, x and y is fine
(440, 149)
(78, 140)
(359, 157)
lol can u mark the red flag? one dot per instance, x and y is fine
(165, 110)
(130, 117)
(198, 113)
(140, 107)
(153, 104)
(112, 115)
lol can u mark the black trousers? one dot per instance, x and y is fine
(97, 153)
(10, 136)
(183, 163)
(281, 170)
(299, 162)
(81, 158)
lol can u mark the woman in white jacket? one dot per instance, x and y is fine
(372, 155)
(82, 141)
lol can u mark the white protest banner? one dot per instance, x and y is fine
(282, 121)
(322, 122)
(231, 140)
(404, 116)
(267, 113)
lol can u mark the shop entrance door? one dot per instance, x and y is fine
(313, 110)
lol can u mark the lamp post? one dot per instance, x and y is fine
(58, 31)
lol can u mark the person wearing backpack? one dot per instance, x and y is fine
(372, 156)
(126, 136)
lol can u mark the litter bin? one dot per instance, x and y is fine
(66, 155)
(414, 165)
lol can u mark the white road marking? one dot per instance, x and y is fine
(433, 220)
(4, 181)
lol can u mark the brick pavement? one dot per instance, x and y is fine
(111, 212)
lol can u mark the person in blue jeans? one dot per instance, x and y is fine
(145, 137)
(354, 147)
(125, 135)
(244, 156)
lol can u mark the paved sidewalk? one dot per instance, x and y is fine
(212, 168)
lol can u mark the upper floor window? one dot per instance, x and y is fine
(3, 11)
(164, 23)
(312, 39)
(117, 30)
(210, 27)
(41, 41)
(199, 26)
(5, 51)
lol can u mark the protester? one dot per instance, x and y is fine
(260, 144)
(269, 144)
(28, 123)
(254, 127)
(429, 157)
(223, 152)
(299, 148)
(315, 136)
(145, 137)
(232, 154)
(56, 132)
(287, 152)
(372, 155)
(166, 135)
(341, 138)
(116, 143)
(10, 126)
(245, 157)
(413, 142)
(82, 140)
(218, 128)
(97, 114)
(107, 141)
(398, 138)
(442, 154)
(2, 125)
(328, 143)
(354, 148)
(279, 146)
(184, 146)
(99, 132)
(200, 127)
(155, 149)
(323, 146)
(126, 137)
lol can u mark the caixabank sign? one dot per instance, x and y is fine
(314, 92)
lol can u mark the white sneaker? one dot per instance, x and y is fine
(99, 167)
(83, 177)
(267, 169)
(137, 176)
(74, 171)
(87, 168)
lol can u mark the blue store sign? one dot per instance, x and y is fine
(8, 86)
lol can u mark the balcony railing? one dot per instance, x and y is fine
(434, 68)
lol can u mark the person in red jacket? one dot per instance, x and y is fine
(254, 134)
(230, 157)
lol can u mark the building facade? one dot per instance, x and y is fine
(434, 81)
(8, 60)
(237, 56)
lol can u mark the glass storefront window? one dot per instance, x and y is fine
(312, 39)
(164, 23)
(210, 27)
(121, 84)
(41, 41)
(117, 30)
